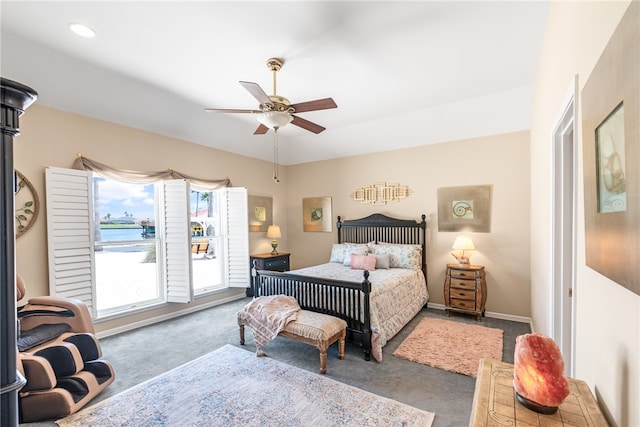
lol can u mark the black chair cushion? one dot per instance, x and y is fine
(74, 385)
(61, 359)
(87, 346)
(99, 369)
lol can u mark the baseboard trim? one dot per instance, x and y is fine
(511, 317)
(162, 318)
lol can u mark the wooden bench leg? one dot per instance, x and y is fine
(323, 357)
(341, 345)
(241, 334)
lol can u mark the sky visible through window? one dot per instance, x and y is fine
(122, 200)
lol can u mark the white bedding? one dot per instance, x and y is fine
(397, 295)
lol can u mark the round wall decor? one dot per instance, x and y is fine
(27, 204)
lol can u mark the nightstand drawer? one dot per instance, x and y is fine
(276, 264)
(463, 303)
(462, 294)
(463, 284)
(463, 274)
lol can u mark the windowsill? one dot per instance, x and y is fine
(125, 321)
(210, 292)
(156, 305)
(131, 311)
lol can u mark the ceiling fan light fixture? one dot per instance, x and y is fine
(275, 119)
(82, 30)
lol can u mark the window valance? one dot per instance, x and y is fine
(83, 163)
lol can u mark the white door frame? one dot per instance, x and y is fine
(563, 254)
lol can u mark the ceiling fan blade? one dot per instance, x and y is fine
(257, 92)
(230, 110)
(306, 124)
(261, 130)
(318, 104)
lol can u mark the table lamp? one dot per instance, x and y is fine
(462, 244)
(273, 232)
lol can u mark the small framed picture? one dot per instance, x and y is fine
(464, 208)
(316, 214)
(260, 213)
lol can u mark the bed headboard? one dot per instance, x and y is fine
(381, 228)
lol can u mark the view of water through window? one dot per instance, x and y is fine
(126, 246)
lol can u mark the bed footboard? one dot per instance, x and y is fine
(346, 300)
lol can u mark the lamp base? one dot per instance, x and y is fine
(530, 404)
(274, 251)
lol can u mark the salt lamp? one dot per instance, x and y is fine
(538, 373)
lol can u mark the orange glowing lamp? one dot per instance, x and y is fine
(538, 374)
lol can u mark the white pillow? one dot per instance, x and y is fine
(341, 252)
(400, 256)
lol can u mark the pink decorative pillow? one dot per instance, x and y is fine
(363, 262)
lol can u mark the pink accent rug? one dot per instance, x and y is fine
(452, 346)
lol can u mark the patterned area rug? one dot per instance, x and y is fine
(233, 387)
(452, 346)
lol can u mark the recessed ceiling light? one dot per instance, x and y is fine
(82, 30)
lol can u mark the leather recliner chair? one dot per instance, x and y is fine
(59, 356)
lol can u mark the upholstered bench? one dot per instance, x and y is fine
(317, 329)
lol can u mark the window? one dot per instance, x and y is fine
(162, 248)
(125, 249)
(205, 241)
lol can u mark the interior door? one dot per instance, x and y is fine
(563, 253)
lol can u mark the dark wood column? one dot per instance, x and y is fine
(15, 99)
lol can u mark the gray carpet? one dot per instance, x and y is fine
(144, 353)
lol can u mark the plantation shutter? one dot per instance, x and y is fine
(176, 231)
(235, 221)
(70, 235)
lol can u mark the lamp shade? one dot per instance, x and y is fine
(273, 232)
(275, 119)
(463, 243)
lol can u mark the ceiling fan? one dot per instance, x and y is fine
(276, 111)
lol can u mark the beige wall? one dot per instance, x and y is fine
(501, 161)
(52, 138)
(607, 318)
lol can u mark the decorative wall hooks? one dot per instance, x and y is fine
(27, 204)
(380, 193)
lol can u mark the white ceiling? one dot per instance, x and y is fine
(402, 73)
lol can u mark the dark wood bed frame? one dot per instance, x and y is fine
(344, 299)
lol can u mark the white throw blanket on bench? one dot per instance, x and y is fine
(267, 316)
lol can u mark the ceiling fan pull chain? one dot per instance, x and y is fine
(275, 155)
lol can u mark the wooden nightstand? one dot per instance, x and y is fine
(465, 289)
(279, 262)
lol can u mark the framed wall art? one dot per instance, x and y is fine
(464, 208)
(611, 149)
(380, 193)
(316, 214)
(260, 213)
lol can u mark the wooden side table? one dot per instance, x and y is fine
(267, 261)
(465, 289)
(495, 404)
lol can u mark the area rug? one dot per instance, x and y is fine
(452, 346)
(233, 387)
